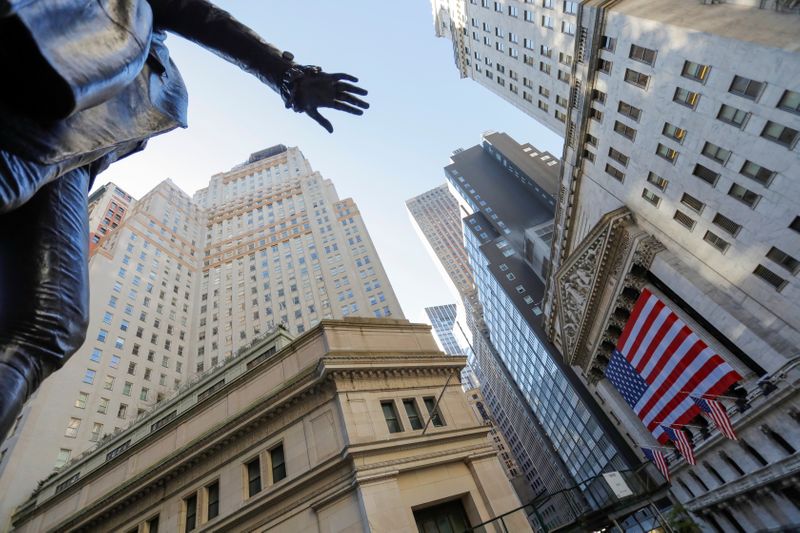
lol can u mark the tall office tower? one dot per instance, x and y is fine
(281, 248)
(678, 178)
(180, 286)
(508, 191)
(108, 205)
(137, 350)
(443, 318)
(435, 216)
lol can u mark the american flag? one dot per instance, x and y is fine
(677, 436)
(718, 414)
(659, 460)
(674, 364)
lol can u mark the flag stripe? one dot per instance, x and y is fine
(637, 310)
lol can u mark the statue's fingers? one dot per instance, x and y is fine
(350, 99)
(341, 106)
(322, 121)
(342, 86)
(343, 76)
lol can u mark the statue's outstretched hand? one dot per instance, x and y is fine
(305, 89)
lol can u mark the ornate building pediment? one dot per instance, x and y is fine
(591, 280)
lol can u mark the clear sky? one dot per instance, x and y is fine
(420, 112)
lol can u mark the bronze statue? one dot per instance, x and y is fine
(86, 83)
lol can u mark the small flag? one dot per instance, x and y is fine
(681, 442)
(718, 414)
(656, 457)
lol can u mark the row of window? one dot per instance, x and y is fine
(415, 422)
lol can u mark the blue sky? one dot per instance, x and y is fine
(420, 112)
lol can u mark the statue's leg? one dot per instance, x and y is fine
(20, 179)
(44, 288)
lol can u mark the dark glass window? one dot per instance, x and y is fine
(390, 414)
(191, 513)
(410, 406)
(435, 414)
(278, 463)
(213, 500)
(253, 477)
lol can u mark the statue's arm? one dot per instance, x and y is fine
(213, 28)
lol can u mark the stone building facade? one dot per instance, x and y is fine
(352, 426)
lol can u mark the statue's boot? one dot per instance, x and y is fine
(44, 288)
(14, 389)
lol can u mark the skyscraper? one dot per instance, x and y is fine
(508, 190)
(108, 205)
(436, 218)
(680, 143)
(181, 285)
(443, 318)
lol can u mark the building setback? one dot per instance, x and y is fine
(182, 285)
(678, 177)
(350, 426)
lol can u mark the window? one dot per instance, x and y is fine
(615, 173)
(80, 403)
(667, 153)
(88, 377)
(102, 406)
(790, 101)
(72, 427)
(410, 406)
(657, 180)
(119, 343)
(253, 477)
(122, 411)
(795, 224)
(108, 383)
(706, 174)
(695, 71)
(692, 203)
(596, 114)
(625, 131)
(101, 335)
(390, 414)
(643, 55)
(618, 156)
(547, 22)
(435, 414)
(561, 117)
(717, 153)
(144, 393)
(607, 43)
(687, 98)
(542, 105)
(190, 504)
(132, 368)
(565, 77)
(758, 173)
(673, 132)
(591, 139)
(570, 8)
(637, 78)
(114, 361)
(716, 241)
(770, 277)
(560, 100)
(733, 116)
(97, 432)
(598, 96)
(152, 525)
(212, 499)
(744, 195)
(780, 134)
(63, 457)
(546, 51)
(783, 259)
(726, 224)
(278, 464)
(544, 67)
(746, 88)
(651, 197)
(684, 219)
(126, 388)
(629, 111)
(107, 317)
(603, 65)
(567, 27)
